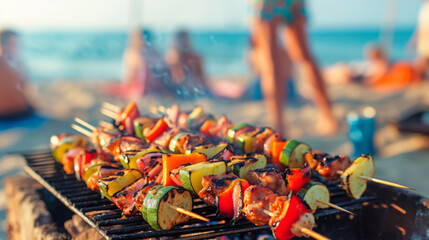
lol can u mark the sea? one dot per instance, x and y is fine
(97, 56)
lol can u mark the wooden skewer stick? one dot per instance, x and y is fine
(105, 124)
(189, 213)
(335, 206)
(156, 111)
(111, 107)
(109, 113)
(310, 233)
(305, 230)
(376, 180)
(162, 109)
(268, 213)
(81, 130)
(85, 124)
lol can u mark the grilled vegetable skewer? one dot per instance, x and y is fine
(290, 153)
(360, 171)
(126, 180)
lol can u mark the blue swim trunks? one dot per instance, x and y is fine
(286, 10)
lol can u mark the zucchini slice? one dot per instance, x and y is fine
(194, 116)
(140, 124)
(350, 181)
(241, 165)
(232, 131)
(147, 200)
(160, 215)
(312, 191)
(212, 152)
(173, 142)
(293, 154)
(191, 176)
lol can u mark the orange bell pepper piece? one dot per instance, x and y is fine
(207, 125)
(172, 161)
(276, 150)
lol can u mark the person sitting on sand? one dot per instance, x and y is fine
(13, 103)
(186, 66)
(142, 68)
(377, 72)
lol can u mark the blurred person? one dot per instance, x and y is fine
(186, 66)
(13, 103)
(377, 71)
(256, 63)
(290, 15)
(142, 67)
(423, 39)
(375, 65)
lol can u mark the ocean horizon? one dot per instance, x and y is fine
(97, 56)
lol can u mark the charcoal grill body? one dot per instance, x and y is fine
(383, 213)
(395, 214)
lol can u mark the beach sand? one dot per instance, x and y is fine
(401, 158)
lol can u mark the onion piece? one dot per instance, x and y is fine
(267, 144)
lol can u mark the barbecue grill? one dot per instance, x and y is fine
(382, 213)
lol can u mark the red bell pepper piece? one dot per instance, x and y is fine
(225, 199)
(290, 216)
(81, 162)
(125, 119)
(87, 157)
(130, 109)
(160, 127)
(297, 177)
(68, 159)
(226, 155)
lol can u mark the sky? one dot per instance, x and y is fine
(36, 15)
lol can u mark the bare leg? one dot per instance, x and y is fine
(299, 52)
(272, 82)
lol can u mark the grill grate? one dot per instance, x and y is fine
(108, 220)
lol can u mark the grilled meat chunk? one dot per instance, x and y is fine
(256, 200)
(138, 197)
(330, 165)
(270, 178)
(124, 198)
(191, 141)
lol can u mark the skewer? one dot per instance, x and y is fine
(111, 107)
(189, 213)
(162, 109)
(310, 233)
(157, 111)
(305, 230)
(85, 124)
(380, 181)
(105, 124)
(335, 206)
(81, 130)
(109, 113)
